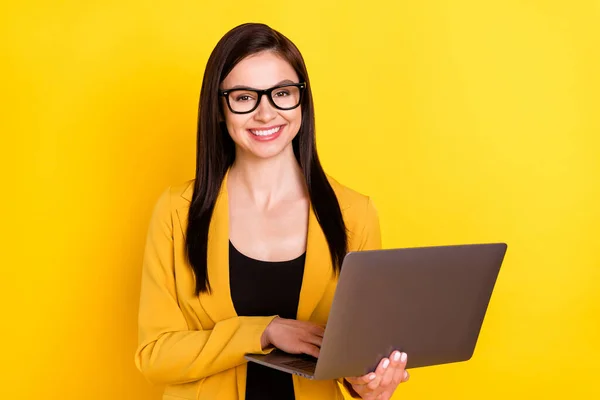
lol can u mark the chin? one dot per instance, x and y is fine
(266, 154)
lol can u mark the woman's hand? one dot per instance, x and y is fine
(294, 337)
(381, 384)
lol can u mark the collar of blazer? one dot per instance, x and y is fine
(218, 305)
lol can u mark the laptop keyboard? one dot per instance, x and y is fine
(305, 365)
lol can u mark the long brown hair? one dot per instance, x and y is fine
(216, 150)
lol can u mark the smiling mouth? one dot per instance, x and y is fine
(266, 132)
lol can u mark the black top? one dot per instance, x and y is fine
(263, 288)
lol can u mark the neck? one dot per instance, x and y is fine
(267, 181)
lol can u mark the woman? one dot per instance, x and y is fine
(245, 257)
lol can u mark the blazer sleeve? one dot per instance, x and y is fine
(168, 351)
(370, 238)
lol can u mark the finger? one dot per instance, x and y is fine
(404, 362)
(355, 380)
(388, 377)
(314, 328)
(399, 365)
(311, 350)
(395, 363)
(317, 330)
(379, 372)
(361, 380)
(310, 327)
(395, 358)
(313, 339)
(399, 376)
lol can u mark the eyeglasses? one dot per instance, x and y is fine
(246, 100)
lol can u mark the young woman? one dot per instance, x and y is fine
(245, 257)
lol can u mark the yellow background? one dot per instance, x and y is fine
(482, 118)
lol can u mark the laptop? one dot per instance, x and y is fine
(429, 302)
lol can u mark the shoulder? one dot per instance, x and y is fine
(177, 195)
(360, 216)
(172, 198)
(351, 201)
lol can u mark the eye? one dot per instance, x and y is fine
(282, 93)
(243, 97)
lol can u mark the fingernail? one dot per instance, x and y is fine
(403, 357)
(396, 356)
(372, 376)
(405, 374)
(386, 362)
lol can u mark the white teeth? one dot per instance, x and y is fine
(265, 133)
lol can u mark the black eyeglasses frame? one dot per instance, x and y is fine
(264, 92)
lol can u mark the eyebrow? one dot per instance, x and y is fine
(283, 82)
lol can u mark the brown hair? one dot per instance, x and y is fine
(216, 150)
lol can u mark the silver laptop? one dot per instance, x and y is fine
(429, 302)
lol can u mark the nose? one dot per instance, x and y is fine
(265, 111)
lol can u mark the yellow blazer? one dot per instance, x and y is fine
(195, 345)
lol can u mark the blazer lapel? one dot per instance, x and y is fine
(317, 269)
(218, 304)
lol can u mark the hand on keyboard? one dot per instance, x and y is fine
(294, 337)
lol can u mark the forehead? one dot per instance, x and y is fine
(260, 71)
